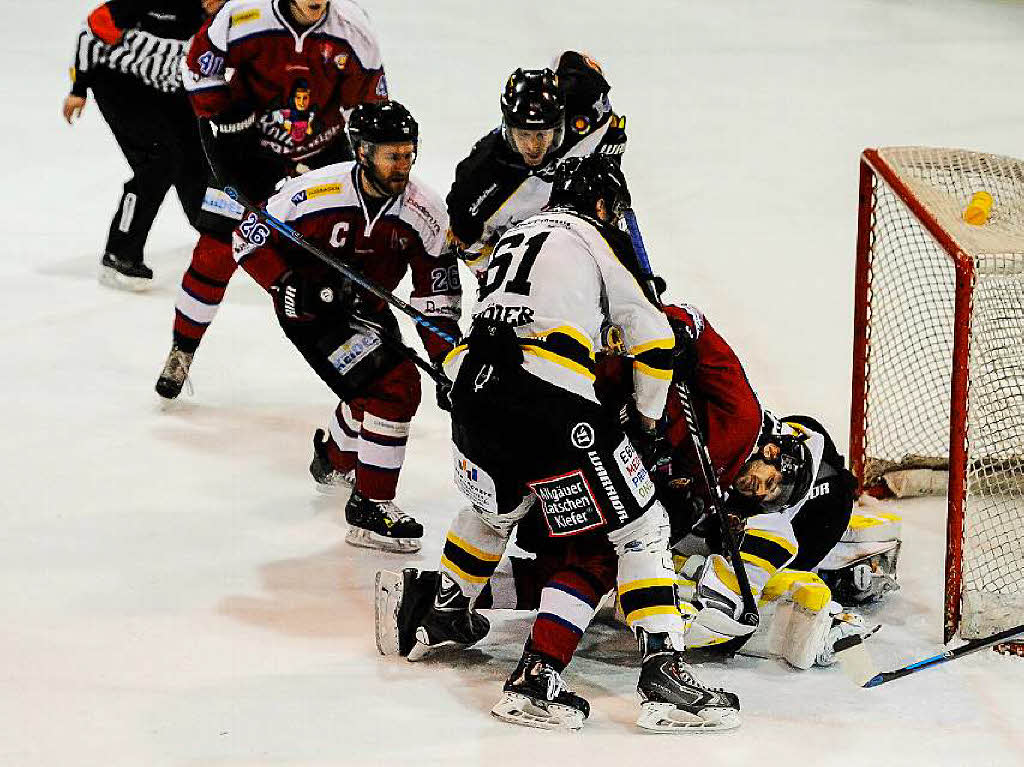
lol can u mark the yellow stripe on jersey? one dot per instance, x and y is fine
(558, 359)
(661, 343)
(757, 561)
(480, 554)
(570, 331)
(728, 577)
(647, 370)
(783, 542)
(454, 353)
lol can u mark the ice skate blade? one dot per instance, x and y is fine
(111, 278)
(388, 589)
(420, 650)
(370, 540)
(340, 488)
(666, 717)
(543, 715)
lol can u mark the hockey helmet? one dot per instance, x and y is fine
(385, 122)
(581, 181)
(532, 101)
(790, 455)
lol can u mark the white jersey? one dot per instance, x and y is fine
(555, 278)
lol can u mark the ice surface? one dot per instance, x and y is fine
(172, 591)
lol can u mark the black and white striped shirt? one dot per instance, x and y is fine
(155, 61)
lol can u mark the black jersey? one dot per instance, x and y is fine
(494, 189)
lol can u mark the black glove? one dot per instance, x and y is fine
(613, 143)
(684, 356)
(298, 300)
(654, 449)
(234, 138)
(444, 399)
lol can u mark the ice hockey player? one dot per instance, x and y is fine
(526, 374)
(371, 215)
(566, 582)
(129, 53)
(293, 61)
(545, 116)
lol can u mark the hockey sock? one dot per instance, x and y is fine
(472, 550)
(202, 290)
(567, 605)
(343, 437)
(381, 452)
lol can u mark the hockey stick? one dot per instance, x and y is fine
(344, 269)
(749, 616)
(437, 375)
(866, 679)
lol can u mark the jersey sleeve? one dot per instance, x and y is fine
(364, 82)
(256, 247)
(204, 69)
(99, 32)
(436, 288)
(648, 336)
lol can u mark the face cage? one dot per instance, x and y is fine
(556, 141)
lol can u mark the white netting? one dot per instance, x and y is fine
(911, 334)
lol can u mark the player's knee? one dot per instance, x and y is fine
(503, 520)
(647, 533)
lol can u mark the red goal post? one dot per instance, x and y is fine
(938, 361)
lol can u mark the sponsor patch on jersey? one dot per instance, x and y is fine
(581, 124)
(244, 17)
(634, 472)
(320, 190)
(568, 503)
(474, 483)
(217, 201)
(341, 60)
(382, 87)
(353, 351)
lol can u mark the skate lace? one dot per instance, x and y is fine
(552, 681)
(177, 365)
(685, 671)
(392, 513)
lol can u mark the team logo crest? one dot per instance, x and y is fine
(341, 60)
(582, 435)
(581, 124)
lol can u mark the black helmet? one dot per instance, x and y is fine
(581, 181)
(532, 101)
(385, 122)
(793, 461)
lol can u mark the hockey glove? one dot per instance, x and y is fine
(296, 300)
(684, 356)
(444, 399)
(613, 144)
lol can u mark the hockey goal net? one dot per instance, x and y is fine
(938, 368)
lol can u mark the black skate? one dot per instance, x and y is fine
(537, 696)
(449, 623)
(175, 373)
(124, 275)
(400, 602)
(329, 480)
(672, 699)
(381, 525)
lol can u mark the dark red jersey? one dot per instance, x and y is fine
(723, 399)
(407, 234)
(251, 57)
